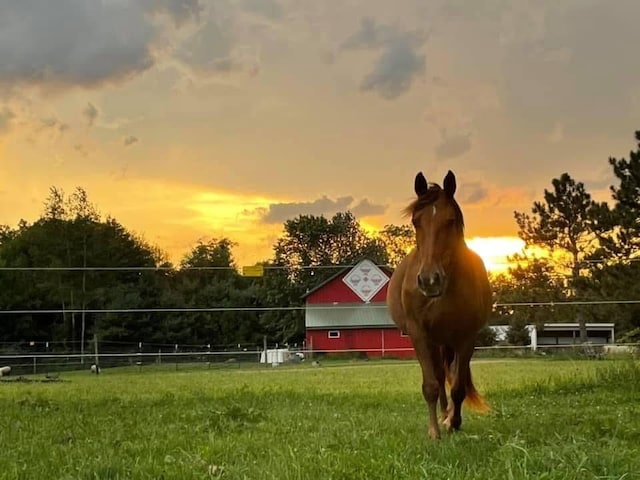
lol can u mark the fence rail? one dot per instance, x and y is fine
(48, 363)
(23, 364)
(291, 308)
(142, 268)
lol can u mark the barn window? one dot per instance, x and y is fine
(334, 333)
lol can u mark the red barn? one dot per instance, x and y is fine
(348, 313)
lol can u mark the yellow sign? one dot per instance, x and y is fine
(253, 271)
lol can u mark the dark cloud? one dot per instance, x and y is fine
(399, 63)
(393, 73)
(49, 122)
(471, 11)
(280, 212)
(570, 69)
(6, 116)
(72, 42)
(370, 36)
(215, 48)
(452, 146)
(129, 140)
(210, 49)
(439, 81)
(180, 11)
(473, 192)
(267, 8)
(81, 150)
(67, 43)
(367, 209)
(78, 43)
(328, 57)
(90, 113)
(52, 123)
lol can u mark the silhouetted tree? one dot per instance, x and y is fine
(564, 223)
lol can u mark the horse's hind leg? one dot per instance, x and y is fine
(432, 380)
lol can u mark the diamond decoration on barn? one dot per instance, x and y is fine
(365, 279)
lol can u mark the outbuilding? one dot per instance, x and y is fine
(562, 334)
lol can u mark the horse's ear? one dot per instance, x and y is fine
(420, 185)
(450, 183)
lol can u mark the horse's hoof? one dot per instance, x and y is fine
(453, 426)
(434, 433)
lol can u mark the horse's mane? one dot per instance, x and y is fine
(429, 198)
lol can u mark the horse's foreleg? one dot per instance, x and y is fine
(458, 388)
(432, 381)
(447, 359)
(444, 405)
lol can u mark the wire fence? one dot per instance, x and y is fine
(264, 266)
(290, 308)
(160, 268)
(45, 356)
(53, 365)
(57, 363)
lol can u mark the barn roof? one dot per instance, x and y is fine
(385, 268)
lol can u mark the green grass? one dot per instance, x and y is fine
(551, 419)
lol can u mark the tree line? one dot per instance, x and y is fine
(591, 272)
(51, 292)
(591, 250)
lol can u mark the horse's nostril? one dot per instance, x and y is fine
(420, 282)
(435, 278)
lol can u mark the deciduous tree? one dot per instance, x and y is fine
(398, 241)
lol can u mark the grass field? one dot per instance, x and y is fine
(551, 419)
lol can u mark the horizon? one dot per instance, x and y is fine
(224, 118)
(493, 250)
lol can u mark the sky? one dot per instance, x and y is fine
(197, 119)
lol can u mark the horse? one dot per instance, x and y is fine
(440, 296)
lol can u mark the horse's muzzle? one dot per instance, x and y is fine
(431, 285)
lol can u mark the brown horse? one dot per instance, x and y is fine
(440, 296)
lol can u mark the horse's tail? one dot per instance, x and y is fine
(473, 398)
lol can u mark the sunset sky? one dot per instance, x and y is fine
(190, 119)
